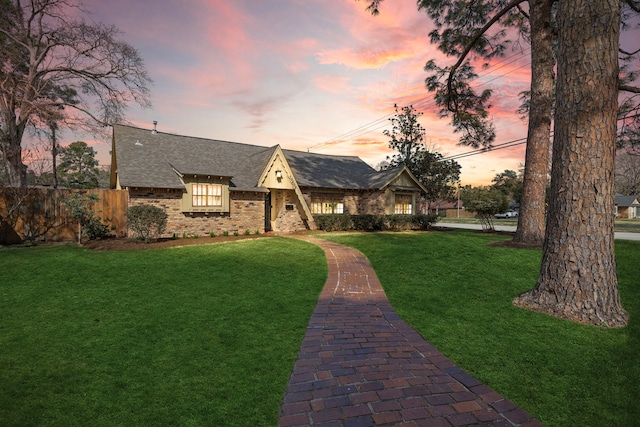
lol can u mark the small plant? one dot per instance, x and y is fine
(225, 233)
(247, 232)
(89, 224)
(174, 236)
(235, 233)
(212, 234)
(256, 232)
(185, 235)
(146, 221)
(195, 235)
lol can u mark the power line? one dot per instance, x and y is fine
(422, 102)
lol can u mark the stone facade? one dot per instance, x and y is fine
(246, 212)
(286, 212)
(367, 202)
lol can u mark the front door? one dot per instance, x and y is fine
(267, 212)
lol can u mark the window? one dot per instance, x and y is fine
(404, 204)
(327, 204)
(206, 195)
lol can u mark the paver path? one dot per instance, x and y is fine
(361, 365)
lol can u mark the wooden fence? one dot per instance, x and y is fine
(40, 214)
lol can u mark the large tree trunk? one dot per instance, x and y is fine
(578, 274)
(11, 146)
(16, 170)
(531, 221)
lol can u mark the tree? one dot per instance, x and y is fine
(437, 175)
(56, 69)
(463, 30)
(485, 202)
(578, 273)
(628, 173)
(510, 184)
(78, 166)
(578, 278)
(406, 137)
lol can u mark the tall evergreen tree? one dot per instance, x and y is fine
(406, 137)
(466, 29)
(78, 166)
(578, 278)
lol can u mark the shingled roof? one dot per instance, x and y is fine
(626, 201)
(343, 172)
(150, 160)
(147, 159)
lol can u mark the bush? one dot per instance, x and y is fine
(147, 222)
(345, 222)
(424, 221)
(368, 222)
(81, 204)
(334, 222)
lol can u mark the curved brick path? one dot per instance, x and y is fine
(361, 365)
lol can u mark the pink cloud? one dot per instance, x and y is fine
(363, 58)
(332, 83)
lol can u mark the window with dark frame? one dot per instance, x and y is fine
(327, 203)
(403, 204)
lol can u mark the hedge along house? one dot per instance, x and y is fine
(208, 185)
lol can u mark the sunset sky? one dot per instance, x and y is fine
(312, 75)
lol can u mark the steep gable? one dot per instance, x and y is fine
(158, 160)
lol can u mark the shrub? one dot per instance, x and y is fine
(399, 222)
(424, 221)
(334, 222)
(374, 222)
(147, 222)
(212, 234)
(368, 222)
(81, 204)
(247, 232)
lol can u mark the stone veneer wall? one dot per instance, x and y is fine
(246, 212)
(365, 202)
(287, 220)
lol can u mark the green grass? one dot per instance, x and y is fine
(457, 292)
(199, 335)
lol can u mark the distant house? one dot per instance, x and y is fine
(626, 206)
(208, 185)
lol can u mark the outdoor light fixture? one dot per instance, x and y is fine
(279, 174)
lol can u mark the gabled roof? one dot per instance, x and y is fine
(146, 159)
(340, 172)
(156, 160)
(626, 201)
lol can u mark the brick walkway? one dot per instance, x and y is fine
(361, 365)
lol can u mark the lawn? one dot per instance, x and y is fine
(199, 335)
(456, 291)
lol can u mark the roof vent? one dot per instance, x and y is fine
(138, 143)
(154, 131)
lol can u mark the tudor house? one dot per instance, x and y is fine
(207, 185)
